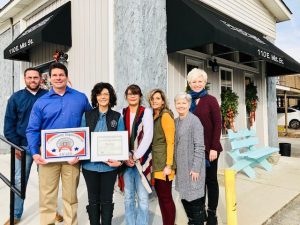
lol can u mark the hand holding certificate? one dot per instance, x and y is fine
(112, 145)
(60, 145)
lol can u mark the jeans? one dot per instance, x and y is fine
(19, 202)
(133, 187)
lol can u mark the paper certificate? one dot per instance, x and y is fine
(109, 145)
(60, 145)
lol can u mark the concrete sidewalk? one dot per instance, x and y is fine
(257, 199)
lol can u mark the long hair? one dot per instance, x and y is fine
(163, 96)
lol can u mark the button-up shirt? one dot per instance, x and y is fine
(100, 127)
(54, 111)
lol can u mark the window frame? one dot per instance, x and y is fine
(223, 131)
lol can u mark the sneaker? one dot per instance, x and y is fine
(16, 221)
(59, 218)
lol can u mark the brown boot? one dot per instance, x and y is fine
(59, 218)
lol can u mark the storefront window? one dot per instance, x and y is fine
(191, 63)
(44, 69)
(249, 78)
(226, 83)
(45, 81)
(226, 78)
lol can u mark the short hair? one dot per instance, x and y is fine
(32, 69)
(183, 95)
(163, 96)
(195, 73)
(97, 90)
(57, 65)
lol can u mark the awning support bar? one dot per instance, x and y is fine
(224, 53)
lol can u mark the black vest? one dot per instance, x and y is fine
(112, 118)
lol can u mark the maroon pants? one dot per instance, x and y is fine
(165, 199)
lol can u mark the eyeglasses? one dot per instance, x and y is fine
(103, 94)
(131, 94)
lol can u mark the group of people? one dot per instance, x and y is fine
(161, 149)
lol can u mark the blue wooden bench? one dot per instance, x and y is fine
(244, 153)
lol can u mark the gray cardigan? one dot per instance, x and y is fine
(190, 156)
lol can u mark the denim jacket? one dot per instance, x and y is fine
(100, 126)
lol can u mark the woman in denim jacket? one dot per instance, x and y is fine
(100, 177)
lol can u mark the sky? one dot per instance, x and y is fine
(3, 3)
(288, 33)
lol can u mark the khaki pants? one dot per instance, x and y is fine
(49, 175)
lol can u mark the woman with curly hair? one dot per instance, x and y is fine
(100, 177)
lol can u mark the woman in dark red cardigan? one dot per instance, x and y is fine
(207, 109)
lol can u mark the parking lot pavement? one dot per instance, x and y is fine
(288, 215)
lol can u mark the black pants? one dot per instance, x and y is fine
(196, 202)
(194, 211)
(100, 186)
(212, 186)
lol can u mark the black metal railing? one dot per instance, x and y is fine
(11, 183)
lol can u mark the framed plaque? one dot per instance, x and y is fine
(109, 145)
(58, 145)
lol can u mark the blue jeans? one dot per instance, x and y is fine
(133, 187)
(19, 202)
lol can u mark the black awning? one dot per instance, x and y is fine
(53, 28)
(192, 24)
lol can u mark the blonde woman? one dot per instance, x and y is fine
(207, 109)
(163, 154)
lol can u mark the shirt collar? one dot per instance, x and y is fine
(52, 92)
(102, 114)
(31, 92)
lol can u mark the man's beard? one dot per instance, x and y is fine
(37, 87)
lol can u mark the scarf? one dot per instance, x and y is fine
(135, 136)
(195, 96)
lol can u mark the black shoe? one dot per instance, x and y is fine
(106, 213)
(94, 214)
(211, 217)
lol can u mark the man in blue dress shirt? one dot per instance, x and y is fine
(61, 107)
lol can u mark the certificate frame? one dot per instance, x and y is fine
(60, 145)
(109, 145)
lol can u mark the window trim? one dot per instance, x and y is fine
(194, 62)
(224, 136)
(220, 80)
(253, 78)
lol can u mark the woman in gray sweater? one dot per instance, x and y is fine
(190, 159)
